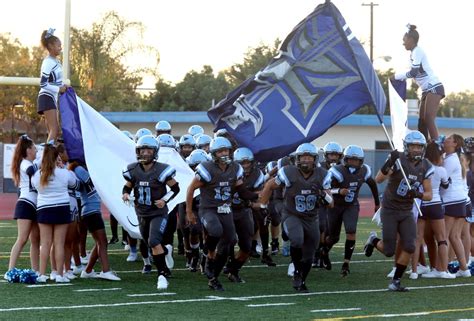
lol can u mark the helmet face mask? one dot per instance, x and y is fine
(412, 139)
(353, 157)
(222, 156)
(147, 149)
(306, 162)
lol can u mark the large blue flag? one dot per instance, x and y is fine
(321, 75)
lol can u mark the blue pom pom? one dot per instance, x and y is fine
(13, 276)
(453, 267)
(28, 276)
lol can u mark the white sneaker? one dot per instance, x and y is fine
(5, 276)
(162, 283)
(126, 247)
(259, 248)
(421, 269)
(169, 257)
(42, 279)
(463, 274)
(433, 274)
(291, 269)
(53, 275)
(392, 273)
(413, 276)
(85, 259)
(446, 275)
(132, 257)
(62, 279)
(77, 270)
(109, 275)
(91, 275)
(70, 275)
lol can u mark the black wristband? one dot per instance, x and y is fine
(126, 189)
(386, 166)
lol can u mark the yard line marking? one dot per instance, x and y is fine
(268, 305)
(151, 294)
(95, 290)
(395, 315)
(336, 310)
(47, 285)
(217, 298)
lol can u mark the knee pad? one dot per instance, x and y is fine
(442, 243)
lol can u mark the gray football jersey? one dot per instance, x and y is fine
(219, 185)
(301, 194)
(339, 176)
(252, 182)
(394, 196)
(149, 186)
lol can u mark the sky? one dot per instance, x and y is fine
(190, 34)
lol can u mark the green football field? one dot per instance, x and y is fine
(266, 295)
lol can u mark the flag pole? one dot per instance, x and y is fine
(399, 164)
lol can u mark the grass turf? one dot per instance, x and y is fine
(363, 292)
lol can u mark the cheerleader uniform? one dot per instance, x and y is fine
(51, 81)
(25, 207)
(454, 198)
(433, 210)
(53, 199)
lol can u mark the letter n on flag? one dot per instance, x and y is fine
(321, 75)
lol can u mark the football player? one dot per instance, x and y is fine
(303, 195)
(397, 203)
(149, 179)
(345, 181)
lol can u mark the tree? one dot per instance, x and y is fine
(97, 63)
(21, 61)
(457, 105)
(195, 92)
(254, 60)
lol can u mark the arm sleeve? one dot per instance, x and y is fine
(245, 193)
(373, 188)
(416, 57)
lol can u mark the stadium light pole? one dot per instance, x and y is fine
(18, 104)
(371, 5)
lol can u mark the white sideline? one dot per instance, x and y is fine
(47, 285)
(336, 310)
(268, 305)
(96, 290)
(151, 294)
(217, 298)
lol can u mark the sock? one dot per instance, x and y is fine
(349, 249)
(399, 271)
(296, 255)
(133, 248)
(146, 261)
(254, 245)
(305, 268)
(160, 263)
(220, 261)
(375, 241)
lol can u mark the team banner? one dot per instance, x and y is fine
(398, 113)
(107, 151)
(321, 75)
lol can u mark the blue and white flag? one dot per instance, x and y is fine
(107, 151)
(321, 75)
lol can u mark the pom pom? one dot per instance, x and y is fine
(453, 267)
(13, 276)
(28, 276)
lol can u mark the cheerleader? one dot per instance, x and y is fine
(432, 88)
(454, 200)
(51, 83)
(23, 169)
(53, 212)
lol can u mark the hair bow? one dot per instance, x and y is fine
(50, 33)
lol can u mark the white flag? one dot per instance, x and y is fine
(398, 116)
(107, 152)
